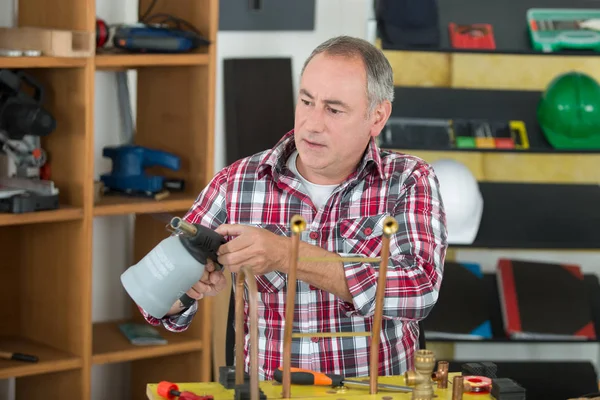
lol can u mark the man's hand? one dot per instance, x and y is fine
(209, 285)
(256, 248)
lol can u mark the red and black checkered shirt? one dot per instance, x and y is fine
(261, 191)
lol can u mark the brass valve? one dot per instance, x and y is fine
(420, 377)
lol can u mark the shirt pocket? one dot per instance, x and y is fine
(361, 235)
(274, 281)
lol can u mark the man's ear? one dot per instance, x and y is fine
(380, 116)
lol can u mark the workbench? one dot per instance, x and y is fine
(272, 390)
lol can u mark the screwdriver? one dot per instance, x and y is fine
(301, 376)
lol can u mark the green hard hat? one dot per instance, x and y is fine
(569, 112)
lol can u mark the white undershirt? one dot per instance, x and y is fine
(317, 193)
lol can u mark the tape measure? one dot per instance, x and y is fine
(477, 384)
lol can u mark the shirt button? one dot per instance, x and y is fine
(314, 235)
(368, 231)
(314, 339)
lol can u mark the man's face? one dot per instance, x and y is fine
(332, 123)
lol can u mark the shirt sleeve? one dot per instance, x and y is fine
(208, 210)
(416, 261)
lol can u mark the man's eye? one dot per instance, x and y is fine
(334, 111)
(306, 102)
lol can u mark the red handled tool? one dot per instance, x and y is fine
(301, 376)
(169, 390)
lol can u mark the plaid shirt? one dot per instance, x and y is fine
(260, 190)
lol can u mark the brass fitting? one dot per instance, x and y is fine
(390, 226)
(185, 227)
(298, 224)
(420, 377)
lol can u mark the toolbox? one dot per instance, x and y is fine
(553, 30)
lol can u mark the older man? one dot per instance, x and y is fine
(329, 170)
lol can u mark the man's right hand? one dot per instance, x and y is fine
(211, 283)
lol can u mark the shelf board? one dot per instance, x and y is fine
(64, 213)
(511, 341)
(121, 205)
(118, 60)
(111, 346)
(41, 62)
(538, 216)
(50, 359)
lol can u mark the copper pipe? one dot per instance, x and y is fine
(390, 226)
(457, 387)
(239, 329)
(441, 375)
(298, 225)
(245, 275)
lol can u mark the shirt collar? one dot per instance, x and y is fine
(275, 159)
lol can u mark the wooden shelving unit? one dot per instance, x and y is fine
(47, 256)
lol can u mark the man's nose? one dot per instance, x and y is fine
(315, 122)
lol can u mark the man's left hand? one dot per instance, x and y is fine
(256, 248)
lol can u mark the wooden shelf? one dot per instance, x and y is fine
(50, 359)
(42, 62)
(65, 213)
(175, 106)
(121, 205)
(112, 61)
(111, 346)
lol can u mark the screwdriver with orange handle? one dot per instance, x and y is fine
(299, 376)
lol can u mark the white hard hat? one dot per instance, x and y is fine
(462, 199)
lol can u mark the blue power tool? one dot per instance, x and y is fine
(157, 39)
(128, 164)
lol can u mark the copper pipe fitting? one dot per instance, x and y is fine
(298, 226)
(441, 375)
(390, 226)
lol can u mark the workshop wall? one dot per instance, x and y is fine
(112, 247)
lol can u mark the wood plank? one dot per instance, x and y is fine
(54, 386)
(517, 72)
(484, 70)
(53, 285)
(122, 61)
(66, 96)
(419, 68)
(64, 213)
(120, 205)
(563, 168)
(50, 359)
(111, 346)
(42, 62)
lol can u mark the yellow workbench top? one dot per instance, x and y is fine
(272, 390)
